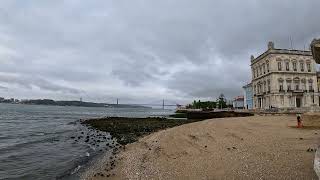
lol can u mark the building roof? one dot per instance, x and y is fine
(239, 98)
(272, 50)
(247, 85)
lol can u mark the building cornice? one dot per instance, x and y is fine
(285, 93)
(280, 51)
(284, 72)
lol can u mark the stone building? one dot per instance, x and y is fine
(284, 78)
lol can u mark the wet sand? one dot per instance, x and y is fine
(258, 147)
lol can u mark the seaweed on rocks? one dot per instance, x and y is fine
(127, 130)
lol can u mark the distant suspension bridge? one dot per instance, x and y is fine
(163, 104)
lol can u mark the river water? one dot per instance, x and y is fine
(37, 142)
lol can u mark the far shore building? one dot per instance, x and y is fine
(248, 96)
(284, 78)
(238, 102)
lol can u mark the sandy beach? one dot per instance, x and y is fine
(257, 147)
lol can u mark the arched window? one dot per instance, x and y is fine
(310, 85)
(288, 84)
(260, 69)
(280, 84)
(287, 66)
(303, 84)
(301, 66)
(296, 83)
(279, 65)
(309, 66)
(294, 65)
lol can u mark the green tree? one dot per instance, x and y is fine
(222, 101)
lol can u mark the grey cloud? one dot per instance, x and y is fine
(184, 48)
(210, 80)
(28, 83)
(3, 88)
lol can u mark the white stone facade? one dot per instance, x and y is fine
(284, 79)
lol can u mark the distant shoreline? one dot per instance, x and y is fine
(49, 102)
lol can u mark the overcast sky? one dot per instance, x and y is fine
(142, 51)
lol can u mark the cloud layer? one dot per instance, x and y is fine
(142, 51)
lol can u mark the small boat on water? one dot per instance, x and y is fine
(315, 48)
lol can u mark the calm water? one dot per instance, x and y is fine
(36, 143)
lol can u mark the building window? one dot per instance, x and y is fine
(290, 100)
(287, 66)
(279, 66)
(260, 89)
(289, 86)
(264, 87)
(260, 69)
(294, 64)
(310, 86)
(304, 86)
(313, 99)
(267, 66)
(264, 68)
(280, 86)
(282, 99)
(297, 86)
(268, 85)
(302, 66)
(309, 67)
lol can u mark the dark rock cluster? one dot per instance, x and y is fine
(127, 130)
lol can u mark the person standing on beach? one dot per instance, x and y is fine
(299, 121)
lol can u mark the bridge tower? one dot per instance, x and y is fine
(163, 104)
